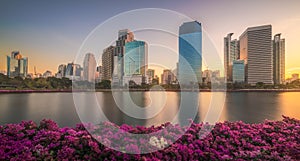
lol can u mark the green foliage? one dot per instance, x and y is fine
(105, 84)
(36, 83)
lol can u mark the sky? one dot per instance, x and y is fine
(51, 33)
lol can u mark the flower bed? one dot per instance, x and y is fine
(271, 140)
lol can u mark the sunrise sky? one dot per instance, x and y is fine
(50, 33)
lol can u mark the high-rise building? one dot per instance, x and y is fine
(278, 59)
(89, 67)
(108, 62)
(73, 71)
(256, 51)
(99, 74)
(17, 65)
(135, 61)
(136, 58)
(167, 77)
(231, 52)
(238, 71)
(150, 74)
(124, 37)
(190, 53)
(61, 71)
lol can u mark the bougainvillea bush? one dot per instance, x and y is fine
(271, 140)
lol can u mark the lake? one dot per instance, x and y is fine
(148, 108)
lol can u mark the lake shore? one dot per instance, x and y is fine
(137, 90)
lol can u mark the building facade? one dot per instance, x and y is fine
(231, 53)
(150, 74)
(256, 51)
(89, 67)
(190, 53)
(61, 71)
(99, 74)
(17, 66)
(108, 62)
(278, 59)
(238, 71)
(167, 77)
(136, 58)
(74, 71)
(124, 36)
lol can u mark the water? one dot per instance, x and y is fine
(250, 107)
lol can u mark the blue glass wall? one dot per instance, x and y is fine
(135, 58)
(190, 53)
(238, 71)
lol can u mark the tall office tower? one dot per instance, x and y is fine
(17, 65)
(167, 77)
(136, 58)
(256, 51)
(73, 71)
(231, 52)
(238, 71)
(69, 70)
(61, 71)
(99, 74)
(89, 67)
(108, 62)
(124, 37)
(190, 53)
(135, 61)
(150, 74)
(278, 59)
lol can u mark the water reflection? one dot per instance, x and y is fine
(250, 107)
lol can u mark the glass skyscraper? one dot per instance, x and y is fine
(238, 71)
(278, 59)
(124, 36)
(135, 58)
(231, 52)
(190, 53)
(17, 65)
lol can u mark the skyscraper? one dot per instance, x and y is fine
(136, 58)
(89, 67)
(167, 77)
(108, 62)
(17, 65)
(150, 74)
(238, 71)
(124, 36)
(190, 52)
(61, 71)
(73, 71)
(135, 61)
(278, 59)
(231, 52)
(256, 51)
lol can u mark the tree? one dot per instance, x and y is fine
(104, 84)
(259, 84)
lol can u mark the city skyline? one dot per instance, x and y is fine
(28, 34)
